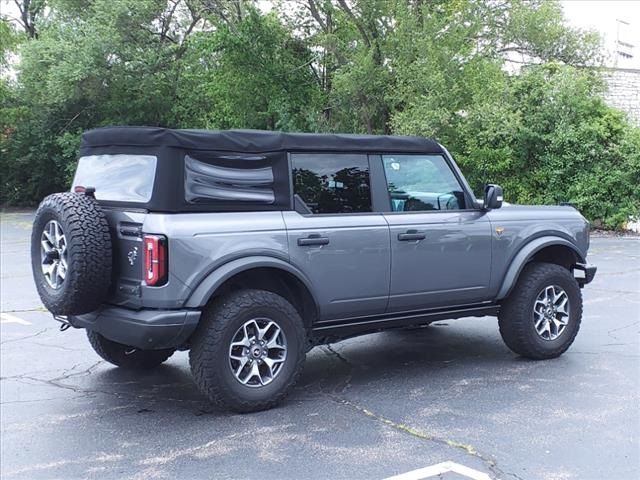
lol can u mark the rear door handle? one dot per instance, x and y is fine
(411, 235)
(313, 239)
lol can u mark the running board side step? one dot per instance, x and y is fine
(352, 326)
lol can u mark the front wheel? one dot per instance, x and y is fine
(248, 350)
(541, 317)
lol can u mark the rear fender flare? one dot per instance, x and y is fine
(524, 255)
(207, 287)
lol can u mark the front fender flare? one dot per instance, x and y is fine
(525, 254)
(207, 287)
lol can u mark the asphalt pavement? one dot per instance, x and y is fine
(366, 408)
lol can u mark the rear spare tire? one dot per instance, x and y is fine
(71, 253)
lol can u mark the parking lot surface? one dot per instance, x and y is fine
(366, 408)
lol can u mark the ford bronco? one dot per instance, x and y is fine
(247, 248)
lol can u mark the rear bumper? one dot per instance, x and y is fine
(144, 329)
(589, 271)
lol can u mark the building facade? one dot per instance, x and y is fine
(624, 91)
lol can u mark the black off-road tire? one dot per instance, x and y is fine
(127, 357)
(89, 253)
(516, 321)
(209, 355)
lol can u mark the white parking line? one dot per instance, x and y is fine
(8, 318)
(439, 469)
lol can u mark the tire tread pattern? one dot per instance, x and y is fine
(515, 320)
(89, 253)
(208, 339)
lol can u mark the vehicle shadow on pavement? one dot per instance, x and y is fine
(393, 359)
(406, 356)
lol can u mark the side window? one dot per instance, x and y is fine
(332, 183)
(422, 183)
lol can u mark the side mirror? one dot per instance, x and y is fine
(492, 197)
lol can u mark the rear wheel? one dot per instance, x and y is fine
(125, 356)
(541, 317)
(248, 350)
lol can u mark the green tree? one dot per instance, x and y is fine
(250, 73)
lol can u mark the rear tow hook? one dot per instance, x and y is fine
(65, 324)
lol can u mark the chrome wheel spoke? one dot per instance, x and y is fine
(272, 341)
(46, 268)
(57, 233)
(546, 328)
(240, 357)
(553, 329)
(562, 305)
(276, 348)
(548, 294)
(244, 341)
(47, 236)
(273, 361)
(254, 372)
(560, 321)
(61, 271)
(270, 364)
(53, 274)
(46, 246)
(242, 362)
(50, 232)
(251, 330)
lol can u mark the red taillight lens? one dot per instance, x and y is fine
(155, 259)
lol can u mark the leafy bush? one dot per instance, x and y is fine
(552, 139)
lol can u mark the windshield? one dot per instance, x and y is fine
(121, 178)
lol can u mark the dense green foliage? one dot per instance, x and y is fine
(512, 91)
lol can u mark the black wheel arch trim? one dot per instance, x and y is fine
(201, 295)
(525, 254)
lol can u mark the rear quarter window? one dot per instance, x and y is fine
(118, 178)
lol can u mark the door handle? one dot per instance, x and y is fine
(313, 239)
(411, 235)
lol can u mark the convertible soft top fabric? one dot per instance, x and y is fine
(255, 141)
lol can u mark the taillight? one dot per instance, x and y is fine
(155, 260)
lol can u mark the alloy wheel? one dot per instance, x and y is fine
(257, 352)
(53, 253)
(551, 312)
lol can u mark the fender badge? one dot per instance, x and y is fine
(499, 230)
(132, 256)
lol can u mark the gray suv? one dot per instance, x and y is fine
(247, 248)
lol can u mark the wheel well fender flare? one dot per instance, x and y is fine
(525, 254)
(208, 286)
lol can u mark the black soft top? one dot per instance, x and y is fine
(254, 141)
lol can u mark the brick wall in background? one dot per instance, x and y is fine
(624, 91)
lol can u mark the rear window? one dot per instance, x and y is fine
(121, 178)
(332, 183)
